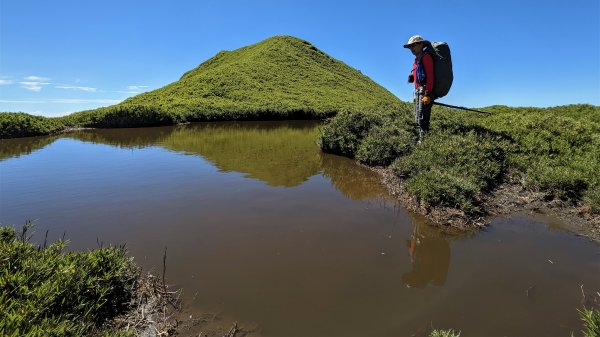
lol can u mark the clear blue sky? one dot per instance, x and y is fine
(60, 56)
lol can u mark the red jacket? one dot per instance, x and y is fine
(428, 65)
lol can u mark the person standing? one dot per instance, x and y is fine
(423, 77)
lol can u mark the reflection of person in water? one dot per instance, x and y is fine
(430, 257)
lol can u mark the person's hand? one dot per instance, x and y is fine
(426, 100)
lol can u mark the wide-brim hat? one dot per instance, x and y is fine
(413, 40)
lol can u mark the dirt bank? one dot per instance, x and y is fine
(509, 198)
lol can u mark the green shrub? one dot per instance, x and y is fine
(18, 124)
(384, 143)
(46, 292)
(555, 178)
(452, 169)
(343, 134)
(437, 188)
(120, 116)
(554, 150)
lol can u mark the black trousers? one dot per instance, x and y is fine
(422, 112)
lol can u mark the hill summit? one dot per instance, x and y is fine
(280, 77)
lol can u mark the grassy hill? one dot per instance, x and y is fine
(279, 78)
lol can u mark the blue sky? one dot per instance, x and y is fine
(60, 56)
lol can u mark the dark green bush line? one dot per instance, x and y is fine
(555, 150)
(18, 124)
(46, 292)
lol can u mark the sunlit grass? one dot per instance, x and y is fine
(555, 151)
(45, 291)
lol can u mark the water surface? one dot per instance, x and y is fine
(263, 228)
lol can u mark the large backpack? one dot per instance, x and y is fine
(442, 68)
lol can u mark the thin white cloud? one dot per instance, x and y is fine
(37, 78)
(5, 82)
(88, 89)
(34, 83)
(33, 86)
(129, 92)
(63, 101)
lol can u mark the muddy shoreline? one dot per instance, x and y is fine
(508, 198)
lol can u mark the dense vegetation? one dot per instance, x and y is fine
(467, 154)
(46, 292)
(18, 124)
(279, 78)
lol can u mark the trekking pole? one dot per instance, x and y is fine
(461, 108)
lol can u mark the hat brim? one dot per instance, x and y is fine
(408, 45)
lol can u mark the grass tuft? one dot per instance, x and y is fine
(47, 292)
(591, 322)
(444, 333)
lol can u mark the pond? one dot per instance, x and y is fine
(264, 229)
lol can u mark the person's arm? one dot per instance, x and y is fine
(428, 65)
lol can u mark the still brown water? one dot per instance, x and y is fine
(263, 228)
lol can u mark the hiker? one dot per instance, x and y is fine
(422, 76)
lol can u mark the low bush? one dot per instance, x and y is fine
(384, 143)
(343, 134)
(18, 124)
(554, 150)
(452, 169)
(47, 292)
(120, 116)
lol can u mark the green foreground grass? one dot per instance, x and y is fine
(47, 292)
(466, 155)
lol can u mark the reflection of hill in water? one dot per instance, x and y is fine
(136, 138)
(282, 153)
(123, 138)
(278, 153)
(352, 180)
(23, 146)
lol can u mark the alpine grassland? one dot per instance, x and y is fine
(555, 151)
(282, 77)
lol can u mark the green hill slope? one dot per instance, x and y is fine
(279, 78)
